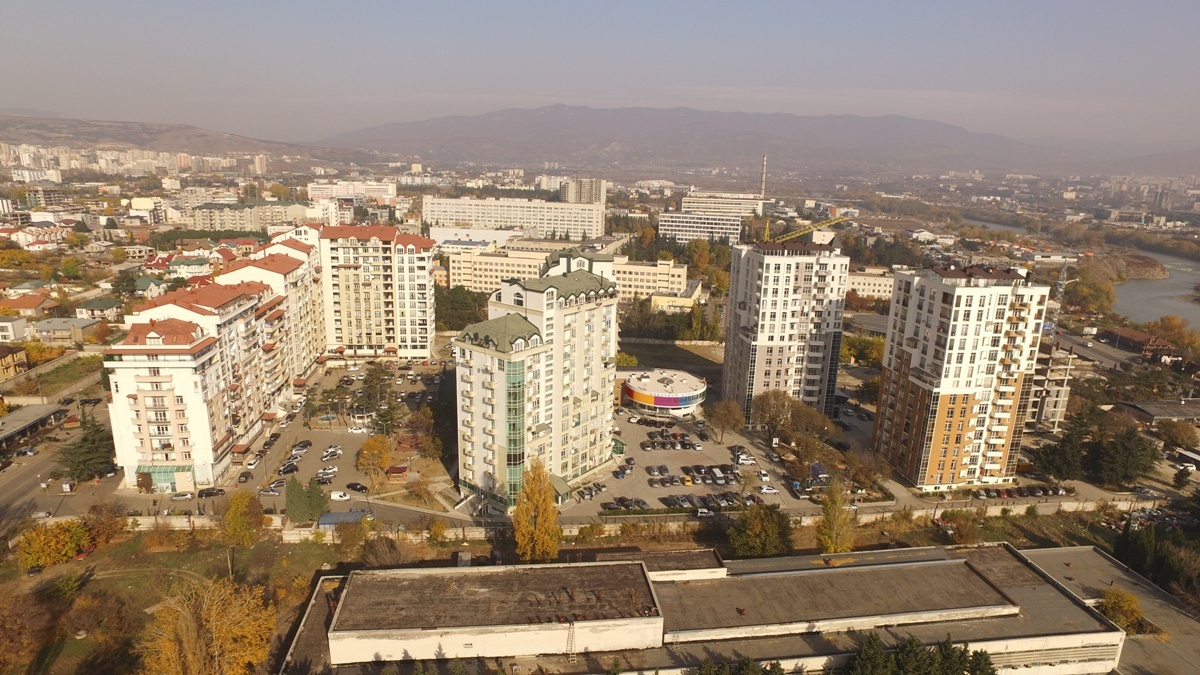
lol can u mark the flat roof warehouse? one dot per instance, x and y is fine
(808, 612)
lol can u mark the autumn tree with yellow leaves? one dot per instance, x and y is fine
(535, 520)
(208, 628)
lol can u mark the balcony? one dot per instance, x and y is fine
(488, 384)
(993, 454)
(489, 417)
(488, 400)
(468, 437)
(490, 430)
(995, 441)
(468, 379)
(470, 424)
(467, 393)
(468, 408)
(491, 447)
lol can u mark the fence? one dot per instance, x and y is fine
(67, 357)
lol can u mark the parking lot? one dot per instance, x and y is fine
(689, 473)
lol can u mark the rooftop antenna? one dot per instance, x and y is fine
(762, 189)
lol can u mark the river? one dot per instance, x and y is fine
(1143, 300)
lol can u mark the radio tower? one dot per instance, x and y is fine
(762, 190)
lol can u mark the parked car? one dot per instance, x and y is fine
(252, 464)
(704, 513)
(183, 496)
(26, 452)
(245, 477)
(339, 496)
(763, 476)
(323, 480)
(277, 483)
(209, 493)
(269, 492)
(767, 490)
(357, 430)
(39, 515)
(357, 487)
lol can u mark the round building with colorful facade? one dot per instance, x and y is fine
(666, 392)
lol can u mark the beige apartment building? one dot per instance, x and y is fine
(484, 272)
(958, 372)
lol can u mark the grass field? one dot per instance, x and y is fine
(51, 382)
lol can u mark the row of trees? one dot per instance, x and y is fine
(642, 321)
(1111, 451)
(305, 504)
(914, 657)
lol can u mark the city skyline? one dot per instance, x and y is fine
(1067, 70)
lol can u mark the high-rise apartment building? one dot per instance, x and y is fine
(957, 374)
(535, 381)
(194, 380)
(784, 322)
(583, 191)
(255, 217)
(362, 190)
(536, 218)
(378, 292)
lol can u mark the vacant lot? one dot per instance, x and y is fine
(52, 381)
(704, 361)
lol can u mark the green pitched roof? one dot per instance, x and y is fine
(144, 283)
(499, 333)
(103, 302)
(572, 283)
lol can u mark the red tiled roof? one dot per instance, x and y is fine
(31, 301)
(274, 316)
(268, 417)
(205, 299)
(199, 346)
(172, 332)
(299, 382)
(296, 244)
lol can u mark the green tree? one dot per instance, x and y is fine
(458, 307)
(125, 285)
(118, 255)
(981, 664)
(626, 360)
(244, 519)
(430, 447)
(948, 658)
(1182, 478)
(1122, 458)
(297, 501)
(724, 416)
(70, 268)
(913, 658)
(90, 455)
(535, 519)
(421, 421)
(1062, 460)
(871, 659)
(835, 530)
(761, 530)
(868, 391)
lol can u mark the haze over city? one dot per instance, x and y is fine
(302, 71)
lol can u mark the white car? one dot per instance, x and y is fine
(746, 461)
(634, 419)
(252, 464)
(339, 496)
(329, 469)
(357, 430)
(767, 490)
(763, 476)
(353, 369)
(334, 448)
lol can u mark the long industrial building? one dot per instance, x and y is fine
(484, 271)
(666, 612)
(537, 219)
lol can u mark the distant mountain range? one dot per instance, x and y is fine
(649, 139)
(687, 138)
(52, 131)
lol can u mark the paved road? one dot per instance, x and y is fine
(1106, 355)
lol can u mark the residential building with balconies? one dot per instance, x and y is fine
(784, 322)
(378, 292)
(958, 372)
(535, 382)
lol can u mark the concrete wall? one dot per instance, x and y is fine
(499, 641)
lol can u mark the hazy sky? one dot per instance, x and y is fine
(299, 71)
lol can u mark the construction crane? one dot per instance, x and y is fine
(804, 230)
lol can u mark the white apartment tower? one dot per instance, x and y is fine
(535, 381)
(584, 191)
(378, 292)
(784, 322)
(957, 374)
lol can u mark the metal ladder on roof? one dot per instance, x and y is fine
(571, 643)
